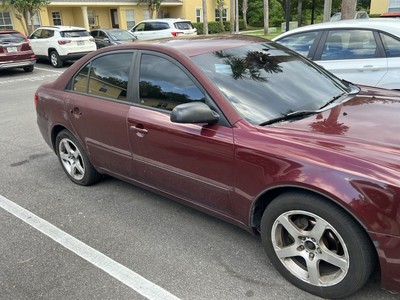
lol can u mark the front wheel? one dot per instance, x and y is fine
(316, 245)
(55, 59)
(74, 160)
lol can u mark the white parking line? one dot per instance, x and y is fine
(133, 280)
(55, 71)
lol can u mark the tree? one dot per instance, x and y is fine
(266, 16)
(220, 7)
(24, 11)
(348, 9)
(205, 21)
(245, 7)
(152, 6)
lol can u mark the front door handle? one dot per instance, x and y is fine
(140, 132)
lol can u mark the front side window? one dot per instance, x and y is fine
(265, 81)
(349, 44)
(167, 88)
(106, 76)
(301, 43)
(5, 20)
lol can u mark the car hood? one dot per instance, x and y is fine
(366, 126)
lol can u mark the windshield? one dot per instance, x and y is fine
(267, 81)
(121, 35)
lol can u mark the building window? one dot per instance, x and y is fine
(5, 20)
(56, 15)
(146, 14)
(198, 15)
(92, 17)
(217, 16)
(36, 20)
(130, 18)
(394, 6)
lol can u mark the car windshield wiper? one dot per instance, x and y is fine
(291, 115)
(333, 100)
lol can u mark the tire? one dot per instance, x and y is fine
(74, 160)
(55, 59)
(28, 69)
(316, 245)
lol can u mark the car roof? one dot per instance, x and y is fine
(165, 20)
(62, 28)
(193, 45)
(391, 25)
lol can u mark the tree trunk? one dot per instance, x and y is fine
(232, 16)
(299, 13)
(327, 10)
(205, 21)
(348, 9)
(266, 16)
(245, 7)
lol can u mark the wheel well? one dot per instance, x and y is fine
(268, 197)
(56, 130)
(50, 50)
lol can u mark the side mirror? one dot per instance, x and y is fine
(194, 112)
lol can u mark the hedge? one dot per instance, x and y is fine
(215, 27)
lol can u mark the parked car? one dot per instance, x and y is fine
(108, 37)
(361, 51)
(61, 43)
(15, 51)
(390, 15)
(248, 131)
(359, 15)
(163, 28)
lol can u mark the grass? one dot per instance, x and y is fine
(260, 32)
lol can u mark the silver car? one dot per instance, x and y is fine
(362, 51)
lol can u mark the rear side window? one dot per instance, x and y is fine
(301, 43)
(183, 25)
(106, 76)
(392, 45)
(11, 38)
(349, 44)
(74, 33)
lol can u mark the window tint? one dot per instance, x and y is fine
(11, 37)
(392, 45)
(167, 88)
(183, 25)
(106, 76)
(349, 44)
(301, 43)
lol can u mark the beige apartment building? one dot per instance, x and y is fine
(382, 6)
(111, 14)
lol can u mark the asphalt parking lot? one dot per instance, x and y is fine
(112, 240)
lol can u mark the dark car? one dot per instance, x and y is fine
(248, 131)
(108, 37)
(16, 51)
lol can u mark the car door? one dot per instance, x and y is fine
(37, 42)
(140, 32)
(97, 106)
(353, 55)
(191, 161)
(391, 44)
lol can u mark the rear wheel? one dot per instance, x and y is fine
(29, 68)
(55, 59)
(74, 160)
(316, 245)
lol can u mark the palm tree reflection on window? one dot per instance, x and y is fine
(251, 66)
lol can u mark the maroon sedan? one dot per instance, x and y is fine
(248, 131)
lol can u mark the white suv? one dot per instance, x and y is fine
(163, 28)
(61, 43)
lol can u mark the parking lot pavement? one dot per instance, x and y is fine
(117, 226)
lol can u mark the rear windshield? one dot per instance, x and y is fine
(11, 38)
(74, 33)
(183, 25)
